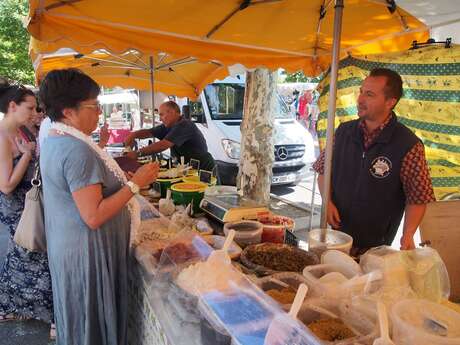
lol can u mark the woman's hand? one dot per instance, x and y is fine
(146, 174)
(25, 146)
(104, 135)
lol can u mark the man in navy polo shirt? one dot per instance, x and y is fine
(379, 170)
(178, 134)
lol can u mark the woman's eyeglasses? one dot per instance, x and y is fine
(97, 106)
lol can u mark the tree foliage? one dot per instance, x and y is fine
(14, 42)
(299, 77)
(296, 77)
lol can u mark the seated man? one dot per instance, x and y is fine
(180, 135)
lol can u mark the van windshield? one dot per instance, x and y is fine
(226, 102)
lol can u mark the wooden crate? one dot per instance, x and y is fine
(441, 227)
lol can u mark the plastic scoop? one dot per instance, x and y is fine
(279, 282)
(383, 323)
(221, 255)
(321, 310)
(283, 331)
(298, 300)
(166, 206)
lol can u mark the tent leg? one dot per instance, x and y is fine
(152, 90)
(331, 113)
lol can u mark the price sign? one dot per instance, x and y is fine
(195, 164)
(205, 176)
(290, 238)
(157, 187)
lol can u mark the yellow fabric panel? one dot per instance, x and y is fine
(441, 171)
(441, 138)
(434, 153)
(271, 34)
(440, 192)
(418, 56)
(446, 113)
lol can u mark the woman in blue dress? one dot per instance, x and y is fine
(89, 213)
(25, 282)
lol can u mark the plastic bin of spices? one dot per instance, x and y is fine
(274, 227)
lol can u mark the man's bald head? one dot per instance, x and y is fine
(169, 113)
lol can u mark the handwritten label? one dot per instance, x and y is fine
(195, 164)
(205, 176)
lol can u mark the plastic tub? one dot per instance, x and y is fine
(193, 179)
(184, 193)
(217, 242)
(421, 322)
(246, 232)
(337, 240)
(165, 184)
(274, 282)
(275, 227)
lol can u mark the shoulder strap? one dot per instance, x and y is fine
(37, 179)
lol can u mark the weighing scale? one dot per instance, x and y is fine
(230, 207)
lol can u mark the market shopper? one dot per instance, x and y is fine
(178, 134)
(379, 170)
(25, 282)
(89, 215)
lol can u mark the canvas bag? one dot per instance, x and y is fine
(30, 232)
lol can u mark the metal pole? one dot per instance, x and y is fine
(312, 204)
(331, 114)
(152, 90)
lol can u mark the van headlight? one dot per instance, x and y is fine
(231, 148)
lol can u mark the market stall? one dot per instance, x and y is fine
(183, 294)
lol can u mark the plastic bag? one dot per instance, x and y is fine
(427, 274)
(422, 322)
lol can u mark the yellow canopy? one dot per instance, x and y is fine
(184, 77)
(293, 34)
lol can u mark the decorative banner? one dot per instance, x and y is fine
(430, 105)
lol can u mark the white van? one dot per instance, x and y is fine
(218, 113)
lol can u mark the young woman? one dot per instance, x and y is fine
(25, 282)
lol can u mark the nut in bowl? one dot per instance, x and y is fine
(269, 258)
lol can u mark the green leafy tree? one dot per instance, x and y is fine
(296, 77)
(14, 42)
(299, 77)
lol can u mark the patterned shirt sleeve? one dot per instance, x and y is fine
(318, 166)
(415, 177)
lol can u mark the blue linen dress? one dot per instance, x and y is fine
(25, 281)
(89, 268)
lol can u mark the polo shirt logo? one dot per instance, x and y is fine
(380, 167)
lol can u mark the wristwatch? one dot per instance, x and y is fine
(133, 187)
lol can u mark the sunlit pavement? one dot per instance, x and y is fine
(21, 332)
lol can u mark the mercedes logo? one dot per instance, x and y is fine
(282, 153)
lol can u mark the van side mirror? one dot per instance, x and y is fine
(186, 111)
(196, 112)
(198, 118)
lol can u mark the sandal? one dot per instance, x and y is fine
(8, 317)
(53, 331)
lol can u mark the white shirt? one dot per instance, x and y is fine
(44, 131)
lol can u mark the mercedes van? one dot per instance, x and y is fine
(218, 113)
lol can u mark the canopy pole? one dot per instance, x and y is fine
(331, 115)
(152, 91)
